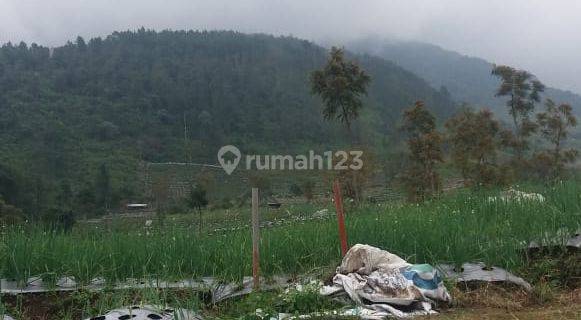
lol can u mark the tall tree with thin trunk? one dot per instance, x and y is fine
(420, 177)
(340, 84)
(523, 90)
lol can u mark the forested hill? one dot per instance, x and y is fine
(169, 96)
(468, 79)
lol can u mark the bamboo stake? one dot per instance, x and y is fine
(255, 240)
(340, 216)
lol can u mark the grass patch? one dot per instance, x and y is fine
(457, 228)
(263, 305)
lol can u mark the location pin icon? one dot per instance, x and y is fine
(229, 165)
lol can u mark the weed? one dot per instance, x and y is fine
(304, 302)
(543, 292)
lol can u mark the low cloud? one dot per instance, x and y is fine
(541, 36)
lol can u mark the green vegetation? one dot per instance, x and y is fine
(421, 179)
(84, 304)
(523, 91)
(475, 141)
(555, 124)
(82, 127)
(461, 227)
(294, 302)
(340, 84)
(476, 138)
(78, 121)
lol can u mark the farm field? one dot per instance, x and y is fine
(463, 226)
(191, 160)
(455, 229)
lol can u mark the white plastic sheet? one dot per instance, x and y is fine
(478, 272)
(148, 313)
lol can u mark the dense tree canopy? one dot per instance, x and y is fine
(474, 139)
(152, 96)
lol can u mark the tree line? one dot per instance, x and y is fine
(483, 150)
(78, 121)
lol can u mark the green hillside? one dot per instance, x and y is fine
(76, 121)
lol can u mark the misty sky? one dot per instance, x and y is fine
(543, 36)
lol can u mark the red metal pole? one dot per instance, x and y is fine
(340, 217)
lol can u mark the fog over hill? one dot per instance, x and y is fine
(468, 79)
(538, 35)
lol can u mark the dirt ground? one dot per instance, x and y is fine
(495, 302)
(538, 313)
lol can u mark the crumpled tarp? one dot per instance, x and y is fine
(386, 285)
(148, 313)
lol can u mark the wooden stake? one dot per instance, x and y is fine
(255, 240)
(340, 217)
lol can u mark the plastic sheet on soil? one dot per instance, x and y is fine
(148, 313)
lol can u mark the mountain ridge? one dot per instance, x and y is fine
(98, 108)
(467, 78)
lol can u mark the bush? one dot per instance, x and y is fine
(295, 190)
(197, 199)
(9, 214)
(543, 292)
(58, 220)
(225, 203)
